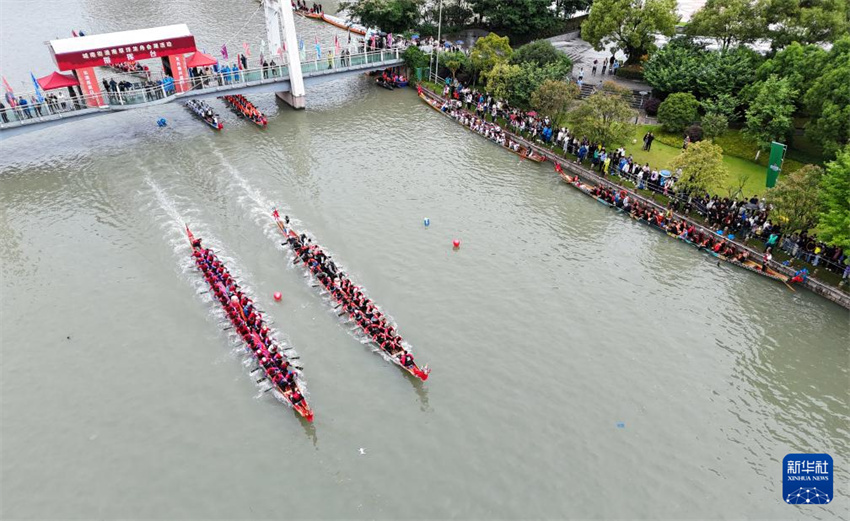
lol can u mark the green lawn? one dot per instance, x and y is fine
(662, 153)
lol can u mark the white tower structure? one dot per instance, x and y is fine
(279, 17)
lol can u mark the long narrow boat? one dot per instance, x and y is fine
(330, 286)
(521, 151)
(200, 109)
(344, 25)
(747, 264)
(244, 108)
(251, 335)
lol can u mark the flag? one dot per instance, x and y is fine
(301, 51)
(37, 89)
(247, 49)
(224, 51)
(318, 49)
(10, 93)
(336, 45)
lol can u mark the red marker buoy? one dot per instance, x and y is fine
(456, 243)
(277, 296)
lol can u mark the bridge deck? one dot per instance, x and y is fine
(247, 81)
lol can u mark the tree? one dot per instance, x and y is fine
(801, 64)
(553, 98)
(725, 105)
(415, 58)
(676, 66)
(678, 111)
(728, 72)
(730, 22)
(567, 8)
(504, 80)
(828, 101)
(541, 52)
(454, 61)
(604, 117)
(517, 17)
(701, 166)
(630, 25)
(805, 21)
(489, 52)
(395, 16)
(714, 125)
(795, 198)
(834, 219)
(769, 116)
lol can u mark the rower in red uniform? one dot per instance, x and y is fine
(295, 396)
(406, 359)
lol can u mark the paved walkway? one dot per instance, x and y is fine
(582, 54)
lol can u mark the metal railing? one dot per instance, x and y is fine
(161, 87)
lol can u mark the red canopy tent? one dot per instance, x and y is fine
(199, 59)
(57, 81)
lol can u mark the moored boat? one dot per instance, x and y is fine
(343, 24)
(372, 323)
(278, 369)
(741, 261)
(510, 143)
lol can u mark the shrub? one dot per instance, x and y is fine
(714, 125)
(694, 132)
(651, 106)
(631, 72)
(678, 111)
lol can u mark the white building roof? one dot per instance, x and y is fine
(122, 38)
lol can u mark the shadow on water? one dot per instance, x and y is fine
(309, 429)
(421, 391)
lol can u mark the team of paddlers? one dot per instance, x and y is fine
(359, 307)
(248, 322)
(245, 108)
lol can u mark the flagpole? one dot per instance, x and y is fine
(439, 33)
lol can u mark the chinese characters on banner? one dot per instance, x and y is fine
(90, 87)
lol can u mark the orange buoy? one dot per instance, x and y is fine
(277, 296)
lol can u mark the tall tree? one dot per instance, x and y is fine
(834, 223)
(393, 16)
(801, 64)
(489, 52)
(795, 198)
(728, 72)
(552, 98)
(454, 61)
(676, 66)
(631, 25)
(828, 101)
(805, 21)
(604, 117)
(730, 22)
(769, 116)
(701, 166)
(518, 17)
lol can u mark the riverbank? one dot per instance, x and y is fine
(819, 287)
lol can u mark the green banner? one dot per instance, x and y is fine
(774, 164)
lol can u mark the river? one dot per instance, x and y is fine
(583, 365)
